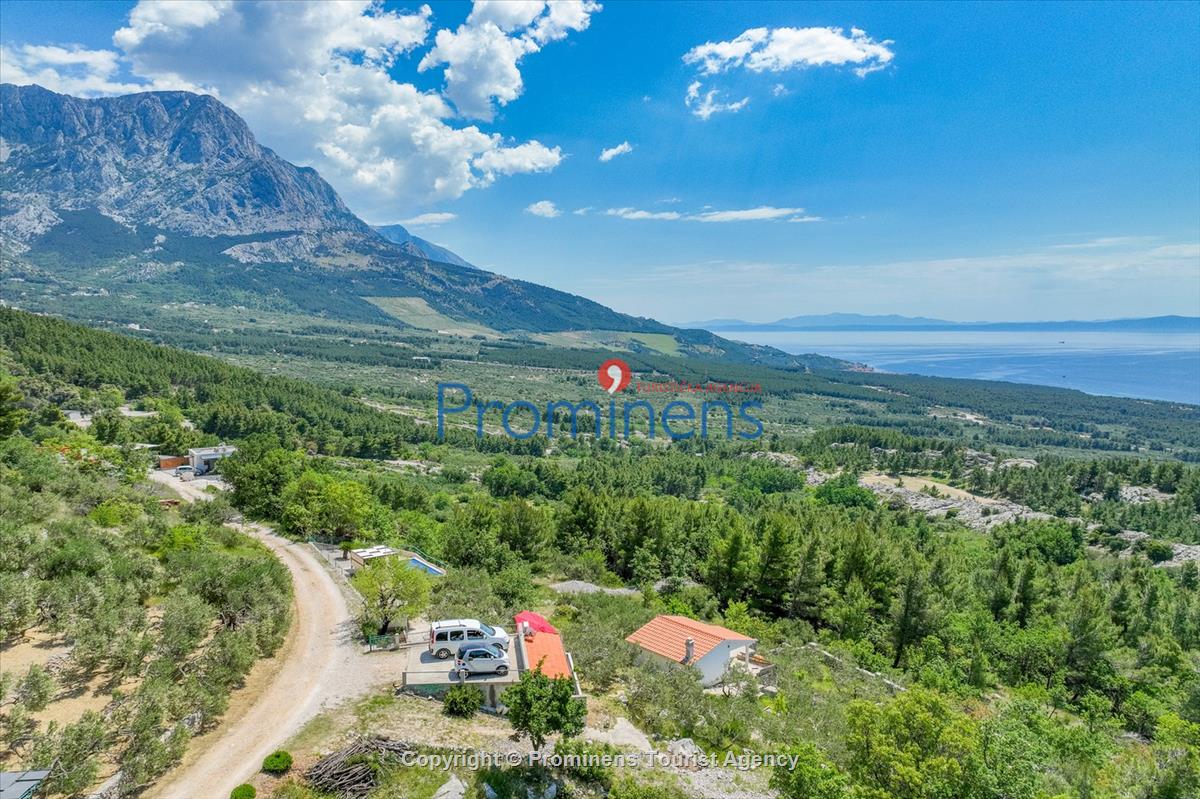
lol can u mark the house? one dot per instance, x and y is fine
(361, 557)
(538, 645)
(203, 458)
(20, 784)
(708, 648)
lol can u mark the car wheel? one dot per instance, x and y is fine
(502, 670)
(442, 654)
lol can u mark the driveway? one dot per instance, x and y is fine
(320, 664)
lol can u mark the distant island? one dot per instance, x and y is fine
(864, 322)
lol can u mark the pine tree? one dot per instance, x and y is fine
(777, 565)
(805, 591)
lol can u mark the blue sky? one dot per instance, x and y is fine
(954, 160)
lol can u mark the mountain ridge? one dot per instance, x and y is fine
(1172, 323)
(399, 235)
(157, 198)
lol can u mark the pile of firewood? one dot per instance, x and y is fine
(353, 772)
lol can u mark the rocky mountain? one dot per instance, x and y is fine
(177, 161)
(415, 245)
(163, 198)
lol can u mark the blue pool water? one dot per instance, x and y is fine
(426, 567)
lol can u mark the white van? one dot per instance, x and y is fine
(445, 637)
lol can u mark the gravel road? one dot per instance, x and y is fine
(320, 664)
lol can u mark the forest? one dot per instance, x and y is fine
(1035, 658)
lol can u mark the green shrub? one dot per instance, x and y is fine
(582, 760)
(463, 701)
(243, 792)
(277, 762)
(1158, 551)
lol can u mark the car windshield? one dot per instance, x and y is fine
(487, 629)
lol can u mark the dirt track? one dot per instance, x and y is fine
(320, 663)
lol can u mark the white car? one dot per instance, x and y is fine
(473, 659)
(445, 637)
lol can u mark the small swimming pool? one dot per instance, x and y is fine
(425, 566)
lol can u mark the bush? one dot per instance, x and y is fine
(243, 792)
(583, 761)
(463, 701)
(1158, 551)
(277, 762)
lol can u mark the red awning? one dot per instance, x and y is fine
(536, 621)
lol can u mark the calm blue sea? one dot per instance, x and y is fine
(1147, 365)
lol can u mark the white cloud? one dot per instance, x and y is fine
(482, 56)
(762, 213)
(706, 104)
(609, 153)
(759, 214)
(314, 82)
(778, 50)
(543, 208)
(635, 213)
(582, 211)
(430, 219)
(70, 70)
(781, 49)
(1102, 242)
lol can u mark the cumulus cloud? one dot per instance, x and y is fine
(543, 208)
(778, 50)
(482, 56)
(762, 213)
(429, 219)
(314, 80)
(609, 153)
(70, 70)
(781, 49)
(706, 104)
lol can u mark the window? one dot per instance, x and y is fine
(491, 631)
(456, 635)
(475, 635)
(440, 637)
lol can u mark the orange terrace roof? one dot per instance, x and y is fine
(547, 649)
(667, 636)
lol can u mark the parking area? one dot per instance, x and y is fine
(422, 668)
(425, 674)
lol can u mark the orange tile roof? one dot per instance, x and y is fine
(667, 636)
(547, 649)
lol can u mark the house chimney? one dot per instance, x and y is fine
(689, 650)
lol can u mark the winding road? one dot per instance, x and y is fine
(320, 664)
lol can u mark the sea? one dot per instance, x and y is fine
(1161, 366)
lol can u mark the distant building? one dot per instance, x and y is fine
(203, 458)
(708, 648)
(20, 784)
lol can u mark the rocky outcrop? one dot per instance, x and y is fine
(976, 513)
(172, 160)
